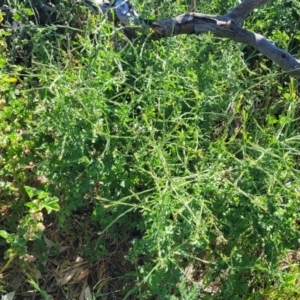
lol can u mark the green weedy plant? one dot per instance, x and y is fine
(144, 132)
(30, 226)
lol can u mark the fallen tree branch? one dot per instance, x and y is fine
(226, 26)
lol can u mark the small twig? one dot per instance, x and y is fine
(192, 6)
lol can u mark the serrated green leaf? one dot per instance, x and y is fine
(30, 191)
(51, 203)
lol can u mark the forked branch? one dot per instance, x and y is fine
(241, 12)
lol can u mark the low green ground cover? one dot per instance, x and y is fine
(186, 147)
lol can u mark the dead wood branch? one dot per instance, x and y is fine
(226, 26)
